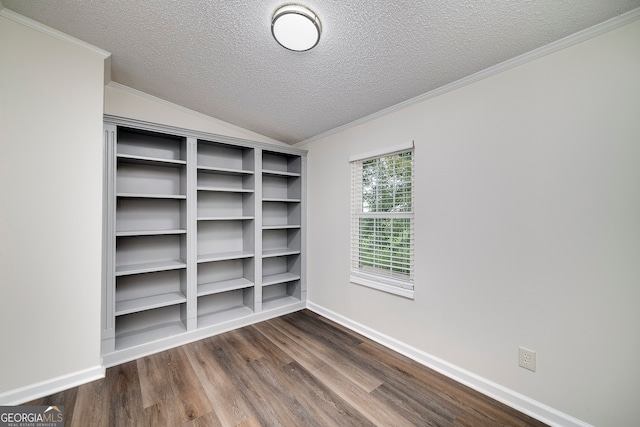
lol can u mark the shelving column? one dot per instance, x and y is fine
(282, 255)
(226, 218)
(147, 278)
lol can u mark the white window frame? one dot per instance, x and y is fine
(384, 281)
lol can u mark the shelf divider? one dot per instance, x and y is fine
(152, 196)
(279, 278)
(223, 256)
(149, 267)
(224, 189)
(147, 303)
(225, 218)
(230, 171)
(129, 233)
(280, 226)
(279, 173)
(281, 200)
(223, 286)
(270, 253)
(131, 158)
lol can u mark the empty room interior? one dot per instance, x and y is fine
(411, 213)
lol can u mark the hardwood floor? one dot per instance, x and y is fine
(296, 370)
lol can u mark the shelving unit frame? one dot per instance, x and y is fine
(203, 233)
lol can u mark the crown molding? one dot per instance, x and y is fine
(579, 37)
(34, 25)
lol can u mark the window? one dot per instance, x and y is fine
(382, 220)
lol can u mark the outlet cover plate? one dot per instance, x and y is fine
(527, 359)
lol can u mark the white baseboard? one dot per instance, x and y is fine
(54, 385)
(502, 394)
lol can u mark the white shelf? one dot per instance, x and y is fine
(279, 278)
(225, 218)
(131, 233)
(270, 253)
(150, 334)
(225, 189)
(148, 303)
(224, 256)
(223, 286)
(279, 173)
(151, 196)
(274, 303)
(130, 158)
(223, 316)
(230, 171)
(148, 267)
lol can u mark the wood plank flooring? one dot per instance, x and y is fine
(296, 370)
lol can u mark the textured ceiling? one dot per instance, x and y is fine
(218, 57)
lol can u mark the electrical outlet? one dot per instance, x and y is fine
(527, 359)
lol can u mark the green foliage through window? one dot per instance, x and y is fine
(386, 183)
(385, 243)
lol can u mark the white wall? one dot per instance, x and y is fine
(52, 101)
(126, 102)
(51, 96)
(528, 227)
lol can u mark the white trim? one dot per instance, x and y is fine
(54, 385)
(193, 113)
(579, 37)
(522, 403)
(35, 25)
(377, 282)
(382, 151)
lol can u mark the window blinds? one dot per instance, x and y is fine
(382, 221)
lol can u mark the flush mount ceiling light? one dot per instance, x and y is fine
(296, 27)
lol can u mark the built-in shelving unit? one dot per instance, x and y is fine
(203, 233)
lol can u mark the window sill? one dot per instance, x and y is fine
(375, 283)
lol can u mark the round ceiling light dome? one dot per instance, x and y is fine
(296, 27)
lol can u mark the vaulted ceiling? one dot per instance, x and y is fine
(219, 58)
